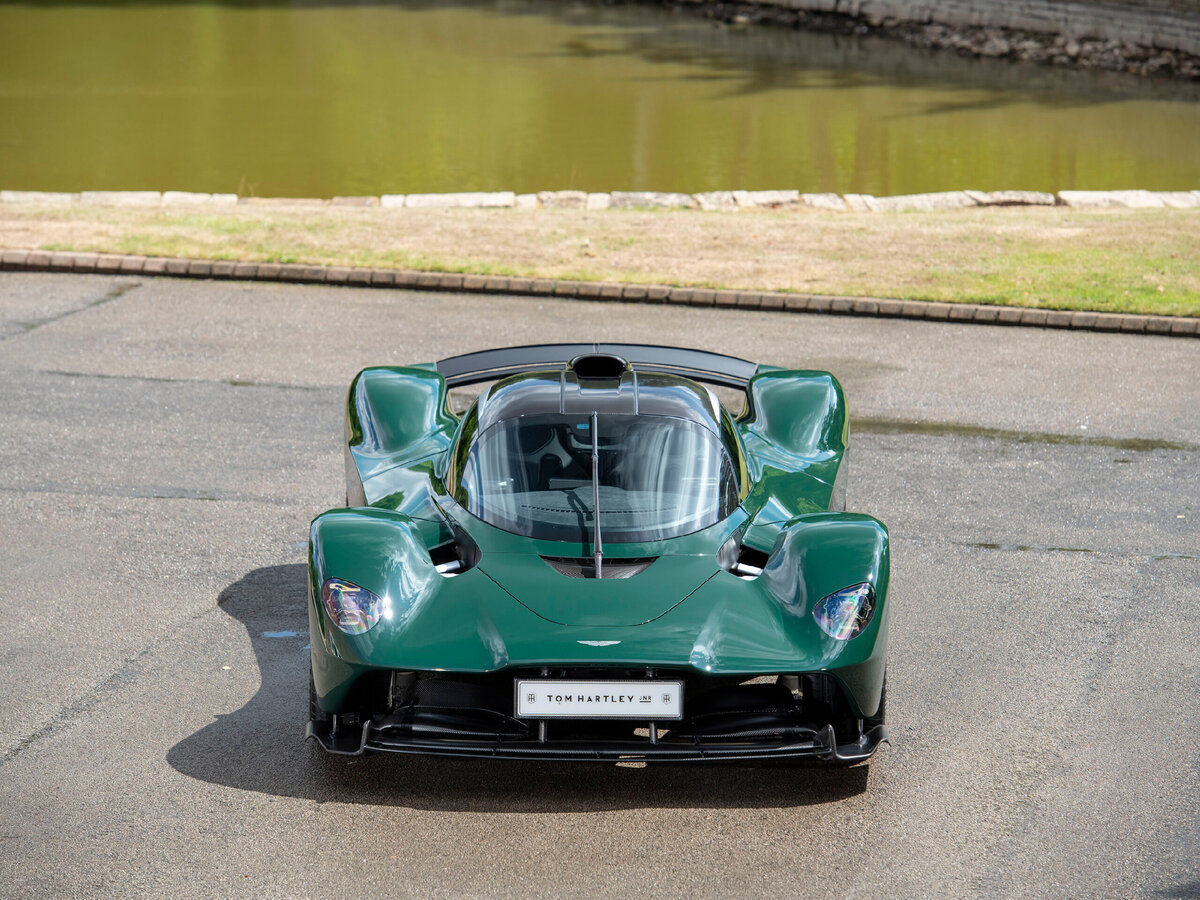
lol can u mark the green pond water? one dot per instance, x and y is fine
(280, 99)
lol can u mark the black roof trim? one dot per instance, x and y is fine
(698, 365)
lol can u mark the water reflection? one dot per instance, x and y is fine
(350, 98)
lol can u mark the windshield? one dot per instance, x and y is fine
(659, 477)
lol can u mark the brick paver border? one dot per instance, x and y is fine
(114, 264)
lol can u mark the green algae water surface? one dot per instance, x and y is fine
(302, 99)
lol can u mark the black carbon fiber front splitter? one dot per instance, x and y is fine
(818, 745)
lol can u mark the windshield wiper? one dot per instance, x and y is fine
(597, 548)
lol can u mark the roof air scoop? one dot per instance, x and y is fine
(598, 367)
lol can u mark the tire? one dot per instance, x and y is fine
(824, 703)
(321, 720)
(881, 715)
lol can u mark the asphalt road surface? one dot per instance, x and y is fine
(163, 445)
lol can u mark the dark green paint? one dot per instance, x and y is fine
(514, 610)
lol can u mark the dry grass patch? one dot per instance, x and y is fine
(1116, 260)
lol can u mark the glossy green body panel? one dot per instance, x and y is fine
(682, 612)
(397, 422)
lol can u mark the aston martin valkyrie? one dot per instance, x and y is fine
(598, 558)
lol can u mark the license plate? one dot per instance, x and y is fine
(646, 700)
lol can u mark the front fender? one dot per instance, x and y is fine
(766, 625)
(431, 621)
(379, 550)
(815, 556)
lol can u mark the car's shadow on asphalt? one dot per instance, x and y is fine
(261, 747)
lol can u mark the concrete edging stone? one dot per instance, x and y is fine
(300, 273)
(706, 200)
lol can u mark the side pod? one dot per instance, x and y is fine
(802, 413)
(395, 416)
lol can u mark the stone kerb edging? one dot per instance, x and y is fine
(708, 200)
(113, 264)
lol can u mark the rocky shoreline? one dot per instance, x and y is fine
(713, 201)
(1018, 45)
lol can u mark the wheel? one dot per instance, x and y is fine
(824, 704)
(879, 717)
(321, 720)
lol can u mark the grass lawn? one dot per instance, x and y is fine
(1115, 260)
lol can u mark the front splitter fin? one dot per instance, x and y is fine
(340, 741)
(854, 752)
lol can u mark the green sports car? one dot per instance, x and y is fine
(598, 560)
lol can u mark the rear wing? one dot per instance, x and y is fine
(698, 365)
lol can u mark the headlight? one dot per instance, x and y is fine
(353, 609)
(845, 614)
